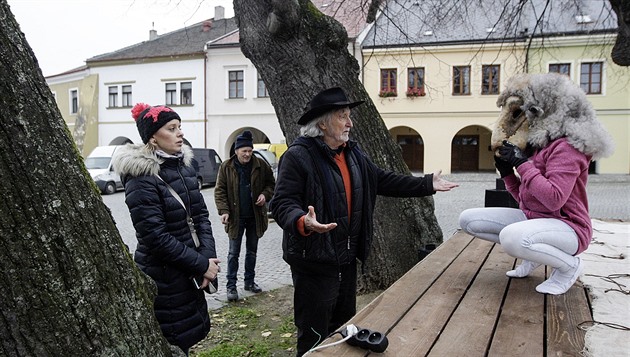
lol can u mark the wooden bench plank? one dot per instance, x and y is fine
(458, 301)
(415, 334)
(564, 314)
(472, 325)
(520, 329)
(389, 307)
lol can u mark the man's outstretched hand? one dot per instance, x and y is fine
(440, 184)
(311, 224)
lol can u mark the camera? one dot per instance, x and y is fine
(210, 289)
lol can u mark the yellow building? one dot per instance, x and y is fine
(588, 63)
(446, 128)
(76, 93)
(435, 83)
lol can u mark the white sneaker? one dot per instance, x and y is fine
(523, 270)
(559, 283)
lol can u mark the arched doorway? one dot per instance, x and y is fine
(470, 150)
(411, 145)
(258, 136)
(121, 140)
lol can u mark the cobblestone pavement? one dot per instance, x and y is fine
(609, 198)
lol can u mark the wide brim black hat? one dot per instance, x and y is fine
(325, 101)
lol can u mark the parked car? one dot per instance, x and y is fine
(206, 162)
(269, 158)
(99, 165)
(276, 149)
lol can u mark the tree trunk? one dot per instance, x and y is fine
(621, 51)
(69, 285)
(298, 52)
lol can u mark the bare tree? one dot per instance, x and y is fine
(299, 52)
(69, 285)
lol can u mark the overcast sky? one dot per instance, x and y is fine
(64, 33)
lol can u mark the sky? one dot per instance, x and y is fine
(64, 33)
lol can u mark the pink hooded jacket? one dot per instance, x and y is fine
(553, 185)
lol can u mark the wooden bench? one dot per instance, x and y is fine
(459, 302)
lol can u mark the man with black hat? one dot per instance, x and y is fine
(324, 202)
(244, 185)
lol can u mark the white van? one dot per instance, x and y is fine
(99, 165)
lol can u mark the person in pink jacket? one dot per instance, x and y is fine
(552, 224)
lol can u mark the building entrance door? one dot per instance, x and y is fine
(465, 153)
(412, 150)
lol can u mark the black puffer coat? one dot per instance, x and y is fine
(166, 251)
(309, 176)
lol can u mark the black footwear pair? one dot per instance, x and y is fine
(232, 294)
(253, 287)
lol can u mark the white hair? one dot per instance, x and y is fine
(312, 129)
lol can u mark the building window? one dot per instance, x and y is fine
(591, 77)
(415, 82)
(185, 93)
(262, 88)
(461, 80)
(113, 96)
(126, 96)
(388, 83)
(171, 94)
(235, 84)
(562, 68)
(74, 101)
(490, 79)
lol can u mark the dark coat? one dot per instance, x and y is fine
(226, 194)
(166, 251)
(308, 176)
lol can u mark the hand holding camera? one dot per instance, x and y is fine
(209, 286)
(512, 154)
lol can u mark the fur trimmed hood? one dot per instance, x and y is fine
(546, 107)
(139, 160)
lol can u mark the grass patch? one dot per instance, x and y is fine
(256, 326)
(260, 325)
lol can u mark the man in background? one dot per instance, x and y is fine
(244, 185)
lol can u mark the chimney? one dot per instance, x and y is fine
(152, 35)
(219, 13)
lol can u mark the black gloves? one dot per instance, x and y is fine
(512, 154)
(504, 167)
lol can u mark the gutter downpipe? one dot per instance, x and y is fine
(205, 96)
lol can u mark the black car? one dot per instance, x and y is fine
(206, 162)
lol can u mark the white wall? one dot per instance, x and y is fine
(148, 86)
(227, 117)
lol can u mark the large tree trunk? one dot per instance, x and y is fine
(298, 52)
(621, 51)
(68, 283)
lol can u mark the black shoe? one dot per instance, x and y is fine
(253, 287)
(232, 294)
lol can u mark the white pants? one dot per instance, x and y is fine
(546, 241)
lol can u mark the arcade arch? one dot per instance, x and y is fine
(258, 136)
(470, 150)
(121, 140)
(412, 146)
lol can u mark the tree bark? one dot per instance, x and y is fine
(298, 52)
(621, 50)
(69, 285)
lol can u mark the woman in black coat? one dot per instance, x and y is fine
(170, 251)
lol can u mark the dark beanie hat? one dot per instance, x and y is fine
(150, 119)
(245, 139)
